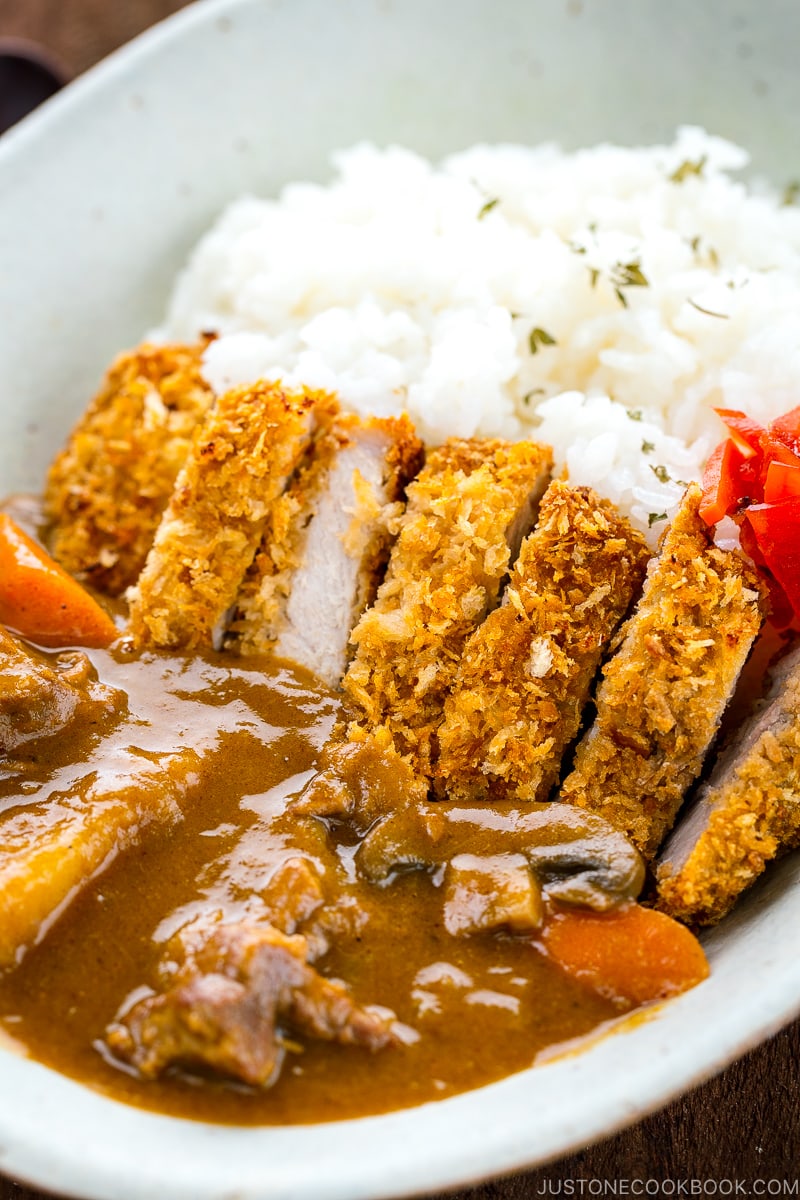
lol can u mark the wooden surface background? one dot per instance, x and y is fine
(742, 1126)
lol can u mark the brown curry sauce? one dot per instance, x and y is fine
(482, 1007)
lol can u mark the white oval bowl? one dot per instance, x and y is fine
(101, 194)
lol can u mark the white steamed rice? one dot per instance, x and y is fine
(657, 285)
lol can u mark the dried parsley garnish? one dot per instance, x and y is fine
(688, 168)
(697, 249)
(488, 206)
(708, 312)
(791, 193)
(634, 414)
(627, 275)
(653, 517)
(540, 337)
(661, 473)
(648, 447)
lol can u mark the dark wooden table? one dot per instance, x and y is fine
(742, 1126)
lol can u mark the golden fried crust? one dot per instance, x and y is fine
(240, 461)
(444, 575)
(526, 671)
(753, 813)
(664, 691)
(107, 489)
(403, 463)
(407, 452)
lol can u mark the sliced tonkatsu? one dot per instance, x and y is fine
(664, 691)
(326, 545)
(107, 489)
(525, 674)
(466, 515)
(747, 812)
(240, 462)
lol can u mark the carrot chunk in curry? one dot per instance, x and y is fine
(41, 601)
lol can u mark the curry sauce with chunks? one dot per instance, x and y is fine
(261, 827)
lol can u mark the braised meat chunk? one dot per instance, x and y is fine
(664, 691)
(240, 989)
(41, 695)
(327, 544)
(747, 812)
(466, 515)
(524, 677)
(359, 780)
(242, 458)
(107, 489)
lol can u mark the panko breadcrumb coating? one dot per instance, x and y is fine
(746, 814)
(466, 514)
(240, 462)
(326, 544)
(107, 489)
(526, 671)
(663, 693)
(265, 588)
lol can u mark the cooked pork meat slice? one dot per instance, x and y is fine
(238, 467)
(230, 1001)
(41, 695)
(663, 693)
(327, 544)
(747, 812)
(107, 489)
(525, 673)
(466, 514)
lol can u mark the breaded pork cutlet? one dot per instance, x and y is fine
(525, 674)
(107, 489)
(663, 693)
(326, 545)
(239, 464)
(466, 514)
(747, 812)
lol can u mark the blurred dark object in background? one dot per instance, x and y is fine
(81, 32)
(28, 76)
